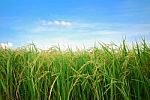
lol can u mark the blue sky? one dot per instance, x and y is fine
(73, 22)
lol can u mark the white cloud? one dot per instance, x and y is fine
(56, 22)
(49, 26)
(61, 23)
(64, 23)
(6, 45)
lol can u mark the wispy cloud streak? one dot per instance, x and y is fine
(61, 23)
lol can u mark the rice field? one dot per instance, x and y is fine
(106, 73)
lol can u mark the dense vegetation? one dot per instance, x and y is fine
(105, 73)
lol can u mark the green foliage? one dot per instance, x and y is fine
(105, 73)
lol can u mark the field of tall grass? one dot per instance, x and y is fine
(106, 73)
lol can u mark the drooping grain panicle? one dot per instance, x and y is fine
(106, 73)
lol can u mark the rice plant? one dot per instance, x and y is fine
(105, 73)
